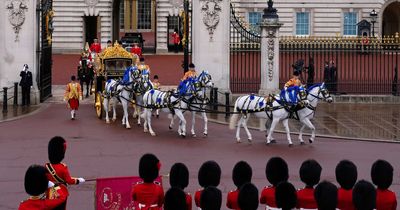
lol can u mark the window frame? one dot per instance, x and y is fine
(296, 23)
(253, 26)
(346, 26)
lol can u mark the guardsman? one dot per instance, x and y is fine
(211, 198)
(142, 66)
(149, 193)
(382, 177)
(136, 50)
(179, 178)
(346, 176)
(276, 171)
(364, 195)
(248, 197)
(310, 174)
(209, 175)
(241, 175)
(326, 196)
(191, 73)
(95, 46)
(285, 195)
(36, 185)
(26, 85)
(175, 199)
(57, 172)
(73, 93)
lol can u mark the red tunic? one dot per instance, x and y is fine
(95, 47)
(268, 197)
(62, 171)
(385, 200)
(305, 199)
(197, 197)
(35, 203)
(176, 38)
(148, 195)
(232, 200)
(345, 199)
(137, 51)
(188, 201)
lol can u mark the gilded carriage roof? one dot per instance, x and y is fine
(117, 51)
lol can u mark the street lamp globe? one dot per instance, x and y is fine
(373, 14)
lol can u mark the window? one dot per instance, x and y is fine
(350, 23)
(302, 23)
(121, 15)
(144, 14)
(254, 21)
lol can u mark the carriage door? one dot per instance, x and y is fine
(90, 28)
(45, 54)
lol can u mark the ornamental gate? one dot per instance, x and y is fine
(245, 57)
(45, 54)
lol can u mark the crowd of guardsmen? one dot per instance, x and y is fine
(47, 186)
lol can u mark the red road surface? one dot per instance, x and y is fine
(96, 149)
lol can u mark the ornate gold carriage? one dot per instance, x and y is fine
(109, 64)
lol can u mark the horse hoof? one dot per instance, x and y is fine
(194, 135)
(158, 116)
(138, 124)
(238, 141)
(273, 141)
(170, 127)
(311, 141)
(249, 140)
(146, 131)
(114, 119)
(205, 134)
(128, 127)
(108, 121)
(267, 143)
(302, 143)
(290, 145)
(152, 134)
(183, 135)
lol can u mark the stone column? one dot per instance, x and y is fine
(211, 19)
(270, 51)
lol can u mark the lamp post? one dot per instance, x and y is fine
(186, 36)
(373, 16)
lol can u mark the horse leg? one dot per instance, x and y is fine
(308, 123)
(114, 106)
(301, 133)
(138, 115)
(249, 138)
(105, 105)
(148, 116)
(171, 124)
(146, 121)
(126, 114)
(205, 133)
(239, 124)
(285, 123)
(271, 130)
(193, 122)
(182, 129)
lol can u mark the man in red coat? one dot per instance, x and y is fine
(177, 40)
(95, 46)
(346, 176)
(382, 177)
(149, 194)
(310, 174)
(36, 185)
(136, 50)
(276, 171)
(179, 178)
(241, 175)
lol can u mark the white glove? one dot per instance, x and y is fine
(81, 180)
(50, 184)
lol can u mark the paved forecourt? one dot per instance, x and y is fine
(96, 149)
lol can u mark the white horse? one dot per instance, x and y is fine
(140, 88)
(116, 90)
(274, 107)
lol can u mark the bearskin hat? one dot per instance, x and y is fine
(310, 172)
(276, 170)
(175, 199)
(179, 176)
(346, 174)
(326, 196)
(209, 174)
(382, 174)
(364, 195)
(56, 149)
(241, 173)
(248, 197)
(148, 167)
(35, 180)
(211, 198)
(285, 196)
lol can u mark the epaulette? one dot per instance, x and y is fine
(64, 164)
(157, 183)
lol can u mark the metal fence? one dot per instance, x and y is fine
(348, 65)
(5, 92)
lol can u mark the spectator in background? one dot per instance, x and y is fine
(382, 177)
(326, 196)
(26, 85)
(248, 197)
(109, 43)
(241, 175)
(333, 76)
(310, 174)
(136, 50)
(346, 176)
(310, 72)
(285, 196)
(364, 196)
(177, 40)
(327, 76)
(95, 46)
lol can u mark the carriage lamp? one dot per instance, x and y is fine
(374, 15)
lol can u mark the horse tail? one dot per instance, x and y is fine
(234, 117)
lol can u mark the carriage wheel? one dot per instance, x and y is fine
(98, 105)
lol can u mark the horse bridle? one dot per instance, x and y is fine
(325, 94)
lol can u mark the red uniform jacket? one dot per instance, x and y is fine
(62, 172)
(148, 195)
(95, 47)
(37, 203)
(176, 38)
(188, 201)
(345, 199)
(305, 199)
(137, 51)
(232, 200)
(197, 197)
(385, 200)
(268, 197)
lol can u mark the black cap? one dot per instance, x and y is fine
(141, 59)
(175, 199)
(73, 78)
(241, 173)
(209, 174)
(346, 174)
(211, 198)
(109, 42)
(276, 170)
(364, 196)
(148, 168)
(56, 149)
(156, 76)
(35, 182)
(382, 174)
(248, 197)
(179, 176)
(326, 196)
(310, 172)
(296, 73)
(191, 65)
(285, 196)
